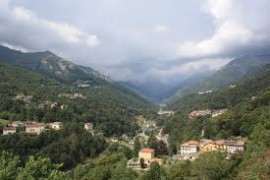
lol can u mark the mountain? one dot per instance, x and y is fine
(230, 75)
(42, 77)
(52, 65)
(234, 71)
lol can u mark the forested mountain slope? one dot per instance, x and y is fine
(248, 117)
(111, 110)
(227, 78)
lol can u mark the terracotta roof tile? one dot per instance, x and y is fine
(147, 150)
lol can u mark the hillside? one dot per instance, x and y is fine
(236, 71)
(52, 65)
(247, 118)
(26, 95)
(248, 105)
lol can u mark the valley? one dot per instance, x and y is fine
(86, 126)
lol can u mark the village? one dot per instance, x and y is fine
(189, 150)
(36, 128)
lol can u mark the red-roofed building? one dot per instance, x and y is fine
(190, 147)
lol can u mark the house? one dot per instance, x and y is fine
(56, 125)
(23, 97)
(53, 105)
(9, 130)
(234, 146)
(205, 92)
(17, 124)
(209, 146)
(165, 113)
(189, 150)
(219, 112)
(190, 147)
(88, 127)
(41, 106)
(35, 128)
(199, 113)
(220, 144)
(146, 153)
(125, 136)
(72, 96)
(114, 139)
(232, 86)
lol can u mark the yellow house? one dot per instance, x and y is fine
(149, 156)
(209, 148)
(146, 153)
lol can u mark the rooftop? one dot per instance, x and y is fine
(9, 128)
(33, 125)
(147, 150)
(191, 143)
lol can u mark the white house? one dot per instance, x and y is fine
(234, 146)
(56, 125)
(35, 128)
(9, 130)
(190, 147)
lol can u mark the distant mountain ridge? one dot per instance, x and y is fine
(234, 71)
(238, 70)
(52, 65)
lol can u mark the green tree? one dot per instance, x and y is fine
(136, 148)
(180, 170)
(155, 172)
(212, 166)
(8, 166)
(41, 168)
(142, 164)
(122, 173)
(256, 167)
(152, 141)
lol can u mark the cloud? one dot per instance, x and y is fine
(25, 29)
(163, 72)
(238, 25)
(93, 41)
(162, 29)
(128, 42)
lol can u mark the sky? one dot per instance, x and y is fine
(139, 41)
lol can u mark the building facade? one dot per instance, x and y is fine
(35, 128)
(9, 130)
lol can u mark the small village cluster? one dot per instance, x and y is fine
(165, 113)
(27, 99)
(31, 127)
(205, 92)
(191, 149)
(206, 112)
(36, 128)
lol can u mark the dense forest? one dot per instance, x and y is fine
(111, 111)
